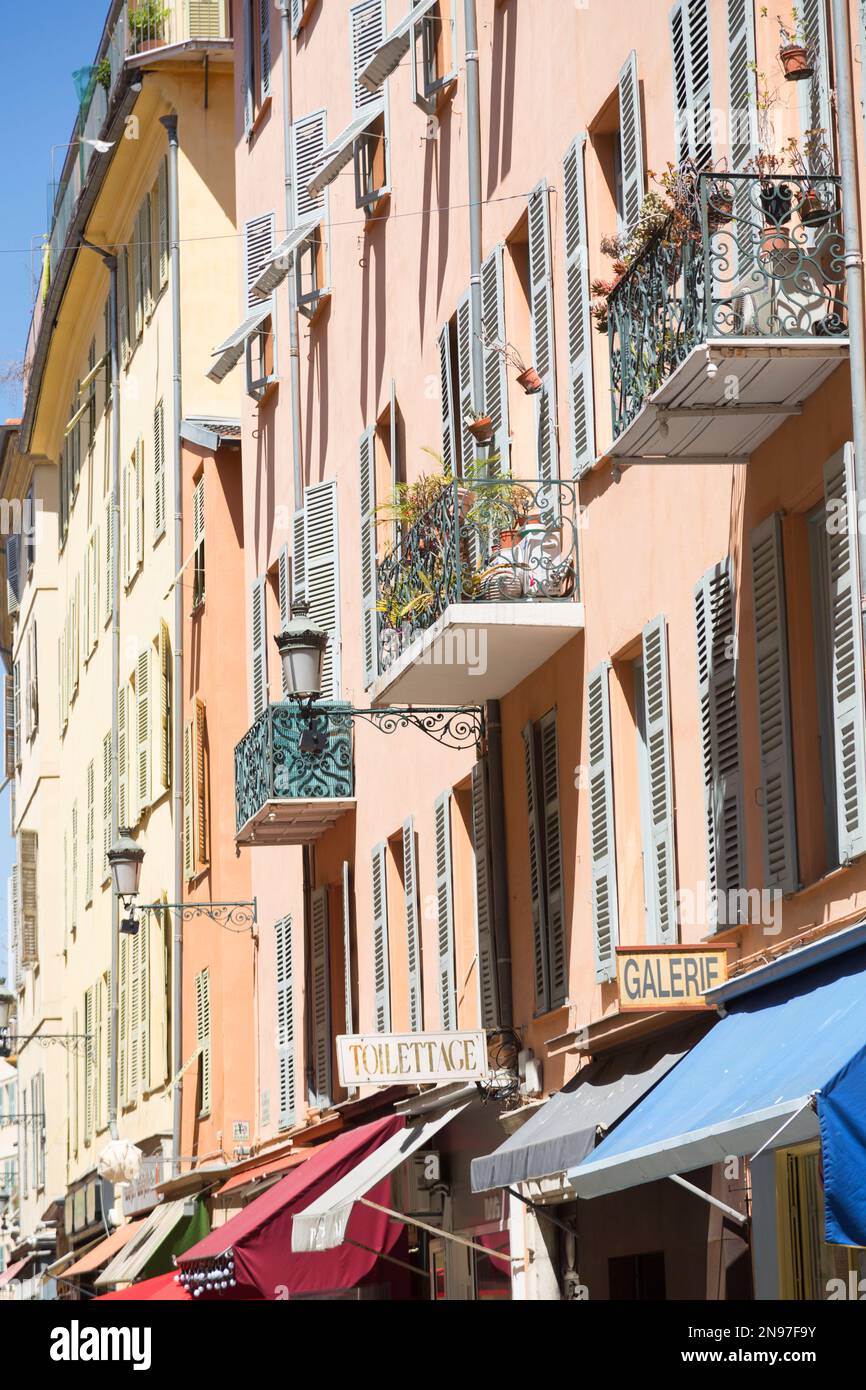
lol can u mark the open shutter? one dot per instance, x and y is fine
(123, 807)
(631, 143)
(285, 1022)
(495, 367)
(690, 43)
(367, 25)
(543, 346)
(91, 830)
(249, 68)
(284, 585)
(258, 249)
(143, 730)
(742, 119)
(106, 803)
(581, 405)
(188, 799)
(259, 651)
(123, 302)
(465, 381)
(297, 14)
(847, 653)
(13, 571)
(28, 842)
(445, 912)
(348, 1011)
(381, 960)
(720, 737)
(133, 1056)
(164, 705)
(322, 566)
(446, 386)
(553, 875)
(108, 559)
(203, 1037)
(89, 1069)
(488, 983)
(123, 1013)
(265, 47)
(199, 769)
(657, 724)
(158, 471)
(536, 870)
(413, 926)
(162, 220)
(816, 110)
(309, 139)
(299, 563)
(370, 617)
(605, 907)
(139, 506)
(321, 978)
(774, 707)
(9, 726)
(143, 964)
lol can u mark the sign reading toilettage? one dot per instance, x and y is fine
(668, 977)
(385, 1059)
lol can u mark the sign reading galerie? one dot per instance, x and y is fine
(668, 977)
(385, 1059)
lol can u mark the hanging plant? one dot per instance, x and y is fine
(527, 376)
(797, 47)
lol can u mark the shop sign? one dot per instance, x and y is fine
(141, 1195)
(668, 977)
(387, 1059)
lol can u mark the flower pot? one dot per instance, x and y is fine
(530, 381)
(481, 429)
(776, 201)
(719, 213)
(795, 63)
(508, 539)
(773, 240)
(812, 210)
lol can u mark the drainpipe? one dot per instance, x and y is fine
(498, 861)
(170, 123)
(294, 352)
(473, 123)
(846, 111)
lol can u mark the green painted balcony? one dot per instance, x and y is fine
(728, 319)
(284, 793)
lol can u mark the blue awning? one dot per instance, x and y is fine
(749, 1082)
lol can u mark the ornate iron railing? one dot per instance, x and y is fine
(493, 539)
(756, 258)
(271, 765)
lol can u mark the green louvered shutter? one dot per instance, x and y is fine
(158, 471)
(89, 1068)
(495, 367)
(465, 379)
(258, 649)
(348, 1009)
(742, 119)
(690, 44)
(446, 388)
(774, 706)
(106, 804)
(557, 969)
(123, 1013)
(662, 907)
(543, 343)
(91, 831)
(321, 979)
(299, 567)
(123, 798)
(445, 912)
(265, 47)
(143, 732)
(631, 143)
(369, 617)
(381, 961)
(816, 108)
(203, 1037)
(285, 1022)
(847, 652)
(536, 870)
(322, 576)
(602, 835)
(488, 982)
(413, 926)
(579, 324)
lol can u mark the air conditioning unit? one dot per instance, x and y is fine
(425, 1188)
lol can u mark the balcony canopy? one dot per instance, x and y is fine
(278, 266)
(229, 353)
(339, 152)
(394, 47)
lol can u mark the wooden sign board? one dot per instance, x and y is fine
(668, 977)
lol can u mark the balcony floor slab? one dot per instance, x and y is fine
(750, 372)
(476, 652)
(293, 822)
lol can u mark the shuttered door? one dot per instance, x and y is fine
(581, 405)
(285, 1022)
(91, 831)
(605, 907)
(847, 652)
(322, 563)
(536, 870)
(720, 736)
(774, 710)
(557, 967)
(445, 912)
(495, 368)
(203, 1037)
(446, 387)
(123, 1012)
(164, 667)
(690, 42)
(309, 138)
(370, 617)
(381, 962)
(488, 982)
(413, 925)
(631, 143)
(321, 978)
(258, 649)
(89, 1069)
(543, 345)
(657, 724)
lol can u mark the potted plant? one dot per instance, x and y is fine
(527, 377)
(796, 47)
(479, 426)
(146, 21)
(102, 73)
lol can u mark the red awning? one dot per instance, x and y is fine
(251, 1255)
(270, 1168)
(161, 1289)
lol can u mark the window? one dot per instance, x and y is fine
(203, 1041)
(31, 680)
(487, 951)
(541, 765)
(160, 228)
(259, 342)
(132, 515)
(434, 66)
(105, 875)
(372, 166)
(257, 59)
(28, 899)
(371, 144)
(258, 648)
(198, 543)
(605, 909)
(91, 831)
(408, 865)
(655, 781)
(311, 212)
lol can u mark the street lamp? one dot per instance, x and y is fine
(302, 645)
(126, 858)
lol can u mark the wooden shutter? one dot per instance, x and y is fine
(138, 250)
(264, 48)
(299, 566)
(74, 878)
(200, 771)
(123, 733)
(488, 981)
(367, 31)
(742, 119)
(543, 345)
(309, 138)
(91, 830)
(602, 837)
(446, 383)
(133, 1058)
(162, 220)
(123, 1016)
(9, 726)
(285, 1022)
(13, 571)
(381, 960)
(538, 911)
(106, 802)
(847, 652)
(690, 42)
(445, 912)
(661, 850)
(465, 379)
(816, 109)
(143, 730)
(557, 971)
(164, 666)
(28, 842)
(108, 549)
(94, 588)
(259, 651)
(138, 521)
(89, 1069)
(297, 14)
(413, 926)
(348, 1012)
(249, 67)
(123, 302)
(774, 707)
(370, 617)
(581, 404)
(321, 982)
(720, 736)
(284, 578)
(188, 799)
(258, 248)
(322, 576)
(158, 471)
(495, 367)
(631, 143)
(203, 1037)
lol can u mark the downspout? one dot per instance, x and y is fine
(170, 123)
(498, 861)
(294, 350)
(114, 1003)
(846, 116)
(473, 123)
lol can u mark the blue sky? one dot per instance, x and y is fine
(43, 44)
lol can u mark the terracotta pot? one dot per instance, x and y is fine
(481, 429)
(530, 381)
(720, 213)
(812, 210)
(795, 63)
(773, 241)
(508, 539)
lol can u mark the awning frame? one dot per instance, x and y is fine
(231, 350)
(394, 46)
(340, 151)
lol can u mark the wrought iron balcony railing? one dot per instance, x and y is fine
(758, 258)
(484, 540)
(272, 765)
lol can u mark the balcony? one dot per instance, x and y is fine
(163, 24)
(285, 794)
(478, 593)
(719, 329)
